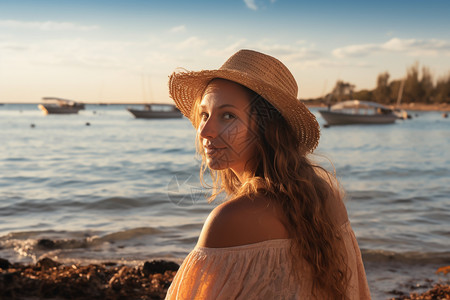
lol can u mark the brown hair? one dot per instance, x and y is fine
(284, 174)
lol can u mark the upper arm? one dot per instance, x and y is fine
(239, 222)
(335, 205)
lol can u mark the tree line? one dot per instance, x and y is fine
(415, 87)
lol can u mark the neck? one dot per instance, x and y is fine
(242, 175)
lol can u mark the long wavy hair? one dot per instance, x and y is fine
(283, 173)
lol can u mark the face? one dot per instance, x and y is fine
(226, 128)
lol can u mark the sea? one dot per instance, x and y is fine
(101, 186)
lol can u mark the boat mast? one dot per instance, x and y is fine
(147, 90)
(144, 94)
(400, 93)
(150, 90)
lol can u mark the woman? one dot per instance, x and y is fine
(284, 232)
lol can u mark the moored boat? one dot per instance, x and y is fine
(401, 113)
(156, 111)
(358, 112)
(60, 106)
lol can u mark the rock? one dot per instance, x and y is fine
(4, 264)
(47, 263)
(46, 244)
(8, 278)
(159, 266)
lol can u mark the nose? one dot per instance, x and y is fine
(208, 129)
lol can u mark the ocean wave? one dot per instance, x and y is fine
(36, 244)
(413, 257)
(122, 203)
(18, 207)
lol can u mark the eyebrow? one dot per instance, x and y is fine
(220, 107)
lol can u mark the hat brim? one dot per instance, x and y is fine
(187, 87)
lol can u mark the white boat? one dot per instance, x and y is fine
(358, 112)
(156, 111)
(60, 106)
(399, 112)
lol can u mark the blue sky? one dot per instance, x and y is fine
(123, 51)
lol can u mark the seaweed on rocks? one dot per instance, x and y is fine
(50, 279)
(439, 291)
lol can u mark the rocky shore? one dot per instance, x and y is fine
(48, 279)
(437, 292)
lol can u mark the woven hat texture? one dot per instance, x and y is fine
(259, 72)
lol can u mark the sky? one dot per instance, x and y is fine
(123, 51)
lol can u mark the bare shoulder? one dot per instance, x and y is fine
(242, 221)
(335, 206)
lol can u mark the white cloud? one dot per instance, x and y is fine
(356, 50)
(12, 46)
(72, 53)
(45, 26)
(296, 55)
(177, 29)
(412, 47)
(289, 53)
(251, 4)
(191, 42)
(226, 51)
(328, 63)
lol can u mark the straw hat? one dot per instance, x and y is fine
(261, 73)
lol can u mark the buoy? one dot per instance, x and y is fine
(32, 125)
(88, 124)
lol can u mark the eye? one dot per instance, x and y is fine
(204, 116)
(228, 116)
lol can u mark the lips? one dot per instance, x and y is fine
(211, 150)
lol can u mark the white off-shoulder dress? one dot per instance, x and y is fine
(257, 271)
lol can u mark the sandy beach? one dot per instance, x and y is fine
(52, 280)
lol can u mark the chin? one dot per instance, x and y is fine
(217, 165)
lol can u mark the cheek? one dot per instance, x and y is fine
(242, 139)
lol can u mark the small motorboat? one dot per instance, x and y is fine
(156, 111)
(60, 106)
(358, 112)
(401, 113)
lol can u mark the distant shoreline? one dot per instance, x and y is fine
(406, 106)
(444, 107)
(89, 103)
